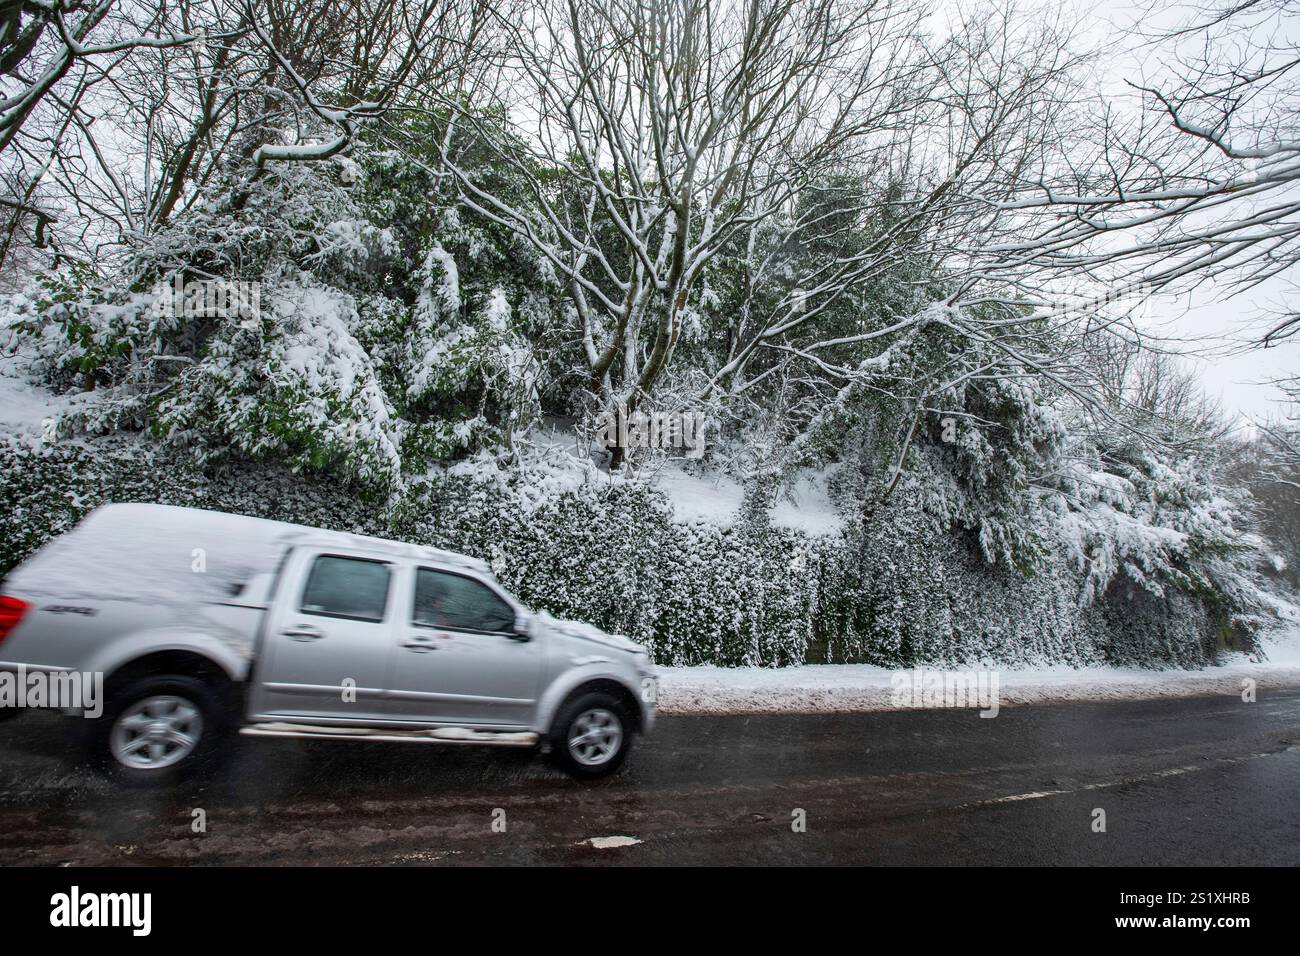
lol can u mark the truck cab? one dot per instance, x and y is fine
(324, 636)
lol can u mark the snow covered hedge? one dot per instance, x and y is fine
(743, 592)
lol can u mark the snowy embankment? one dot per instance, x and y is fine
(842, 688)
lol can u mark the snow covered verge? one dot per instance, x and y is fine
(848, 688)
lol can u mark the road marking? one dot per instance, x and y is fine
(1139, 778)
(1037, 794)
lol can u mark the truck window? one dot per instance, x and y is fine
(346, 587)
(443, 599)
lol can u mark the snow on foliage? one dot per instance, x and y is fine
(297, 387)
(966, 508)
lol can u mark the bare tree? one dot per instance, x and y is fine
(1196, 180)
(42, 41)
(663, 133)
(1158, 390)
(116, 137)
(51, 53)
(1281, 440)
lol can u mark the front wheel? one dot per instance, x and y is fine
(592, 735)
(157, 730)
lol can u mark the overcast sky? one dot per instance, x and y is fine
(1217, 321)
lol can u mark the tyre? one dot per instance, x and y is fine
(158, 730)
(592, 735)
(9, 713)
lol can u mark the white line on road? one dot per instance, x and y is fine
(1139, 778)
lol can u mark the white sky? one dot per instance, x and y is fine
(1238, 377)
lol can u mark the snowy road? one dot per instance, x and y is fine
(1199, 780)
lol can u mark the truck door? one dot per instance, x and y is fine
(327, 648)
(458, 659)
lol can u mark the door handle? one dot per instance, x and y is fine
(303, 632)
(420, 643)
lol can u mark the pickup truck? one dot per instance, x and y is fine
(197, 623)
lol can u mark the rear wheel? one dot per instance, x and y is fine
(158, 730)
(592, 735)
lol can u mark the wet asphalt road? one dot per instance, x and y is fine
(1206, 780)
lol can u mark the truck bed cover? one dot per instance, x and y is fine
(166, 554)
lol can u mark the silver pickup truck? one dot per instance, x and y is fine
(193, 624)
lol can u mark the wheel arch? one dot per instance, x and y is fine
(597, 683)
(178, 662)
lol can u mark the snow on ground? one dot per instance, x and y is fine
(818, 688)
(697, 496)
(610, 842)
(24, 407)
(715, 499)
(806, 505)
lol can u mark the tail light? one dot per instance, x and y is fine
(12, 611)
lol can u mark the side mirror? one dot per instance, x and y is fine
(521, 630)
